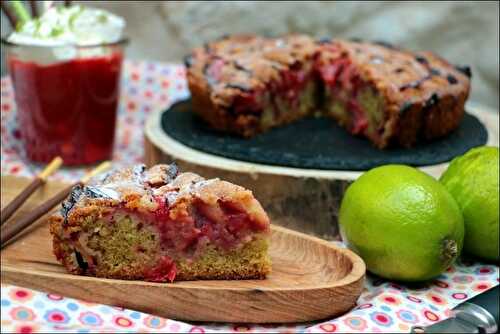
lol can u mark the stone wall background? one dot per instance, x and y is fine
(463, 32)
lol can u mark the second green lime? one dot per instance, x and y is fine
(472, 179)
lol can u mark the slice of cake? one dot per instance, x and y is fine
(158, 225)
(249, 84)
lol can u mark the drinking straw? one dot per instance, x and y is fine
(34, 9)
(20, 11)
(8, 13)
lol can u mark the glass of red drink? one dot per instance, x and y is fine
(67, 99)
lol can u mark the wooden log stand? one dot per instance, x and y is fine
(306, 200)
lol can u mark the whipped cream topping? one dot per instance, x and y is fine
(75, 26)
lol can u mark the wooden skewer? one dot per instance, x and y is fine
(30, 189)
(11, 230)
(9, 14)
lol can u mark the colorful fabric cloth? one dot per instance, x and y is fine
(383, 306)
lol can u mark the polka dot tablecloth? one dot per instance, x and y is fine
(383, 306)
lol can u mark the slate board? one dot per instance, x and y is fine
(315, 143)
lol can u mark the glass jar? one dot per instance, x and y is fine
(67, 99)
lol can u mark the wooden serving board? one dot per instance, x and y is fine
(307, 200)
(311, 278)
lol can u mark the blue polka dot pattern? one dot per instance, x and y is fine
(135, 315)
(72, 306)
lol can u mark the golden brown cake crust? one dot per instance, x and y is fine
(424, 95)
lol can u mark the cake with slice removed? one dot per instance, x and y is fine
(161, 225)
(247, 84)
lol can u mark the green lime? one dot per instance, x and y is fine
(472, 179)
(402, 222)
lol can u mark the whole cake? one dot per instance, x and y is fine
(158, 225)
(248, 84)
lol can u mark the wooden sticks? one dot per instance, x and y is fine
(11, 230)
(30, 189)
